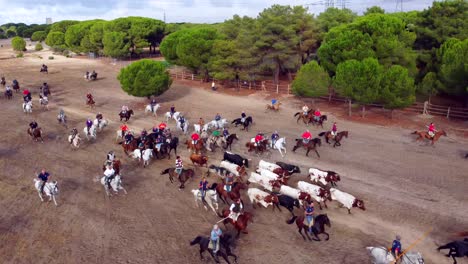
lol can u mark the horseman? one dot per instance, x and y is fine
(396, 247)
(167, 134)
(201, 123)
(44, 177)
(27, 96)
(90, 98)
(217, 117)
(44, 68)
(228, 181)
(33, 125)
(99, 118)
(203, 187)
(73, 134)
(162, 126)
(129, 137)
(273, 103)
(159, 141)
(178, 165)
(153, 103)
(258, 139)
(109, 175)
(45, 89)
(305, 110)
(195, 137)
(110, 158)
(15, 84)
(3, 81)
(243, 117)
(215, 134)
(334, 130)
(155, 129)
(124, 109)
(309, 215)
(225, 133)
(317, 115)
(172, 112)
(431, 130)
(123, 129)
(215, 238)
(306, 136)
(182, 122)
(143, 135)
(274, 138)
(89, 124)
(94, 74)
(87, 75)
(61, 114)
(8, 88)
(236, 210)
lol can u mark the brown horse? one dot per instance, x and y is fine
(234, 194)
(311, 145)
(424, 135)
(305, 118)
(322, 119)
(275, 107)
(36, 134)
(130, 147)
(260, 148)
(317, 228)
(240, 224)
(90, 102)
(197, 148)
(339, 136)
(183, 177)
(126, 115)
(230, 140)
(115, 165)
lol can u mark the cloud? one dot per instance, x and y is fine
(198, 11)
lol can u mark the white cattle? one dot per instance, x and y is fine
(346, 199)
(316, 192)
(146, 155)
(154, 110)
(257, 196)
(294, 193)
(175, 116)
(269, 174)
(233, 168)
(380, 255)
(267, 165)
(50, 189)
(317, 175)
(261, 180)
(211, 198)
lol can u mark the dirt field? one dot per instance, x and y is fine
(407, 188)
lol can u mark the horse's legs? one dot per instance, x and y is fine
(318, 155)
(307, 153)
(123, 189)
(53, 198)
(315, 235)
(325, 202)
(300, 232)
(225, 257)
(328, 236)
(40, 195)
(320, 205)
(201, 253)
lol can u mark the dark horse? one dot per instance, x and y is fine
(183, 177)
(230, 140)
(126, 115)
(339, 136)
(457, 249)
(322, 119)
(311, 145)
(245, 124)
(225, 242)
(36, 134)
(8, 94)
(261, 147)
(318, 228)
(240, 224)
(130, 147)
(234, 194)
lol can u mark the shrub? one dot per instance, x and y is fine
(51, 57)
(20, 55)
(18, 44)
(38, 47)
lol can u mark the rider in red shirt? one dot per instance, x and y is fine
(258, 138)
(306, 136)
(317, 115)
(431, 129)
(123, 128)
(195, 138)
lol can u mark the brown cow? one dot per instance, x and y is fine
(199, 159)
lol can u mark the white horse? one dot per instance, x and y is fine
(280, 144)
(380, 255)
(218, 124)
(211, 198)
(155, 109)
(119, 134)
(197, 128)
(116, 185)
(50, 189)
(185, 128)
(175, 116)
(74, 141)
(100, 125)
(215, 141)
(146, 155)
(44, 102)
(92, 132)
(27, 107)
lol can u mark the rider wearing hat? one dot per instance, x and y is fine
(214, 238)
(258, 138)
(236, 210)
(178, 165)
(306, 136)
(128, 137)
(89, 124)
(274, 138)
(195, 137)
(317, 115)
(305, 110)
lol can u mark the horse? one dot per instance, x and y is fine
(424, 135)
(92, 132)
(259, 147)
(8, 94)
(230, 140)
(322, 119)
(16, 86)
(280, 144)
(224, 247)
(44, 102)
(213, 141)
(305, 118)
(62, 119)
(457, 249)
(27, 107)
(183, 177)
(2, 81)
(245, 124)
(50, 189)
(311, 145)
(184, 128)
(234, 194)
(126, 115)
(240, 224)
(339, 136)
(90, 102)
(116, 185)
(130, 147)
(172, 145)
(115, 165)
(144, 155)
(36, 134)
(175, 116)
(153, 110)
(100, 125)
(317, 228)
(381, 255)
(74, 140)
(194, 148)
(211, 199)
(275, 107)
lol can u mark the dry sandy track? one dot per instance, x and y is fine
(407, 188)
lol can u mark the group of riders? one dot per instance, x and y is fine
(91, 76)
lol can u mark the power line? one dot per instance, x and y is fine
(399, 6)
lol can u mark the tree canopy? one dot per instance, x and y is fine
(18, 44)
(311, 80)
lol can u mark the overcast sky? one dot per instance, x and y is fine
(201, 11)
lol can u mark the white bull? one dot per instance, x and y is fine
(269, 174)
(317, 175)
(233, 168)
(257, 196)
(261, 180)
(267, 165)
(346, 199)
(295, 193)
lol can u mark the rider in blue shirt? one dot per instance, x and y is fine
(309, 215)
(218, 117)
(225, 133)
(172, 110)
(215, 237)
(396, 246)
(89, 124)
(203, 187)
(274, 138)
(44, 176)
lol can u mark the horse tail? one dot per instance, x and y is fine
(415, 132)
(196, 240)
(290, 221)
(166, 171)
(247, 144)
(296, 114)
(120, 143)
(322, 134)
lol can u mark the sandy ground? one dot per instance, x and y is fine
(408, 188)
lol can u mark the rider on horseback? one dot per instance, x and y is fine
(110, 157)
(195, 137)
(73, 134)
(203, 187)
(89, 124)
(172, 111)
(225, 133)
(124, 109)
(273, 102)
(178, 165)
(258, 138)
(236, 210)
(274, 138)
(159, 141)
(109, 175)
(182, 121)
(396, 247)
(33, 125)
(243, 117)
(217, 117)
(143, 135)
(128, 137)
(215, 237)
(123, 129)
(99, 118)
(309, 215)
(333, 130)
(201, 122)
(317, 115)
(87, 75)
(3, 81)
(306, 136)
(153, 103)
(431, 130)
(305, 110)
(167, 133)
(228, 181)
(44, 176)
